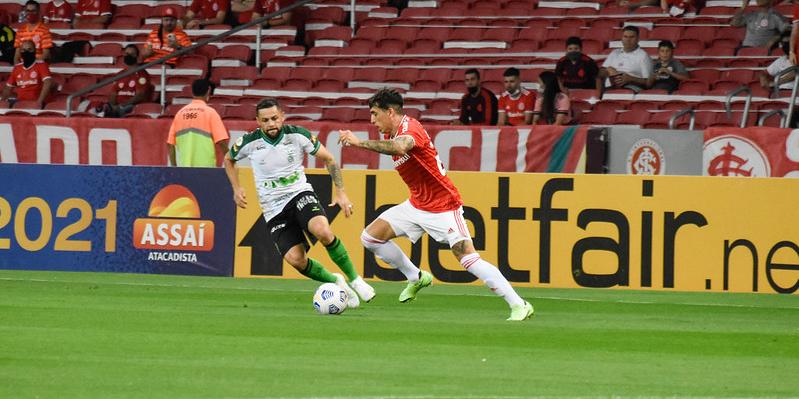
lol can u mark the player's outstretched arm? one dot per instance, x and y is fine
(399, 146)
(340, 198)
(238, 192)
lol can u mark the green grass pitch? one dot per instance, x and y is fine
(96, 335)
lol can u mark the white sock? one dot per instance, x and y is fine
(391, 254)
(492, 277)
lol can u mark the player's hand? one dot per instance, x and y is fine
(347, 137)
(240, 198)
(343, 201)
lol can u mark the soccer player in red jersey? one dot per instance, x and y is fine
(435, 206)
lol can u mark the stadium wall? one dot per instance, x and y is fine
(751, 152)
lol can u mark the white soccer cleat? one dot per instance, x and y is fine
(364, 290)
(352, 298)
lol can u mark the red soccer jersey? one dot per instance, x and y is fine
(54, 13)
(127, 87)
(421, 169)
(29, 81)
(515, 109)
(93, 8)
(207, 9)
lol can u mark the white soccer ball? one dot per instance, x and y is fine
(330, 299)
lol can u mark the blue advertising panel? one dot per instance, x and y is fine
(116, 219)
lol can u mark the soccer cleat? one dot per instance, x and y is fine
(352, 298)
(365, 291)
(409, 293)
(521, 312)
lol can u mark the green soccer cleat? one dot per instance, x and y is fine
(521, 312)
(409, 293)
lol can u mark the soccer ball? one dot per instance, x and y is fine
(330, 299)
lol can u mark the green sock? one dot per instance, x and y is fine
(340, 256)
(315, 271)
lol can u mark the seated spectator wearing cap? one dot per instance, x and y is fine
(552, 107)
(516, 103)
(166, 38)
(30, 79)
(630, 66)
(780, 64)
(34, 30)
(667, 72)
(206, 12)
(576, 70)
(92, 12)
(130, 90)
(764, 26)
(58, 11)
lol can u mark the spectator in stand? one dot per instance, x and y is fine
(92, 12)
(166, 38)
(206, 12)
(58, 11)
(265, 7)
(764, 27)
(577, 70)
(130, 90)
(34, 30)
(516, 103)
(780, 64)
(30, 79)
(632, 5)
(7, 43)
(478, 105)
(630, 66)
(677, 8)
(795, 28)
(552, 107)
(667, 71)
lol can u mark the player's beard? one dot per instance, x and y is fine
(272, 132)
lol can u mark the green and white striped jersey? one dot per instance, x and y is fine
(277, 164)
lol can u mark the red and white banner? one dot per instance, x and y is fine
(753, 152)
(143, 142)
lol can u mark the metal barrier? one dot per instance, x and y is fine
(186, 50)
(678, 114)
(767, 115)
(748, 102)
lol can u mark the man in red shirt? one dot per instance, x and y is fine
(516, 103)
(265, 7)
(58, 11)
(30, 79)
(130, 90)
(435, 206)
(206, 12)
(166, 38)
(34, 30)
(92, 12)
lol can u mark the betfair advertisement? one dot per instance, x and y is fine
(119, 219)
(601, 231)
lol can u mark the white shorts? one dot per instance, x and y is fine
(449, 226)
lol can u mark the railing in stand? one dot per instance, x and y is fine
(183, 51)
(747, 103)
(767, 115)
(678, 114)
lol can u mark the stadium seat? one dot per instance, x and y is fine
(297, 84)
(235, 52)
(343, 114)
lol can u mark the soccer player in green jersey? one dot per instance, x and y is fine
(289, 204)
